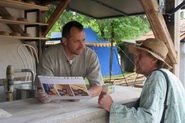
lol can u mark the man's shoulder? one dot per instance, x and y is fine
(53, 48)
(161, 71)
(89, 50)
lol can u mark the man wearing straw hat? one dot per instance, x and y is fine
(162, 98)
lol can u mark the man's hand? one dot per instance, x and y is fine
(43, 97)
(105, 101)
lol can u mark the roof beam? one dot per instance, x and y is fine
(56, 14)
(46, 2)
(159, 27)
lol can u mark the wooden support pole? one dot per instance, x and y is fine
(56, 14)
(173, 25)
(159, 27)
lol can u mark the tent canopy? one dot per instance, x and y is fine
(103, 50)
(101, 9)
(93, 39)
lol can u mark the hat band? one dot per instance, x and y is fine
(153, 51)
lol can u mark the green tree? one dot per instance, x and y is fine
(115, 29)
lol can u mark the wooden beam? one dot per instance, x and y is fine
(170, 24)
(159, 27)
(173, 26)
(41, 44)
(46, 2)
(56, 14)
(21, 5)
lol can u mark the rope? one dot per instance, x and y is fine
(131, 62)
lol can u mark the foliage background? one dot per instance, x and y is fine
(114, 29)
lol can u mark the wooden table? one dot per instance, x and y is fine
(84, 111)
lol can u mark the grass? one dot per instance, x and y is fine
(117, 76)
(113, 76)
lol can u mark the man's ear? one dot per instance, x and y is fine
(154, 60)
(64, 41)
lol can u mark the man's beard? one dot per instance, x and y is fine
(77, 52)
(137, 69)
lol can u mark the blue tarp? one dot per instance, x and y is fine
(92, 37)
(103, 52)
(104, 58)
(56, 35)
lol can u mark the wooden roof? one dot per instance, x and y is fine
(151, 35)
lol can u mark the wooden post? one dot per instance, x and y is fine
(159, 27)
(173, 25)
(56, 14)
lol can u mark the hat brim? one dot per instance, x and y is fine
(134, 50)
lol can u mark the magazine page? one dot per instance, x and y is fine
(64, 87)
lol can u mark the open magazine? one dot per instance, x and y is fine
(64, 87)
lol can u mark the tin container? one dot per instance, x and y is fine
(25, 91)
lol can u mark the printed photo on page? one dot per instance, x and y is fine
(64, 87)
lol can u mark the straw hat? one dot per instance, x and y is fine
(153, 46)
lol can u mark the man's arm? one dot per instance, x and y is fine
(95, 91)
(93, 74)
